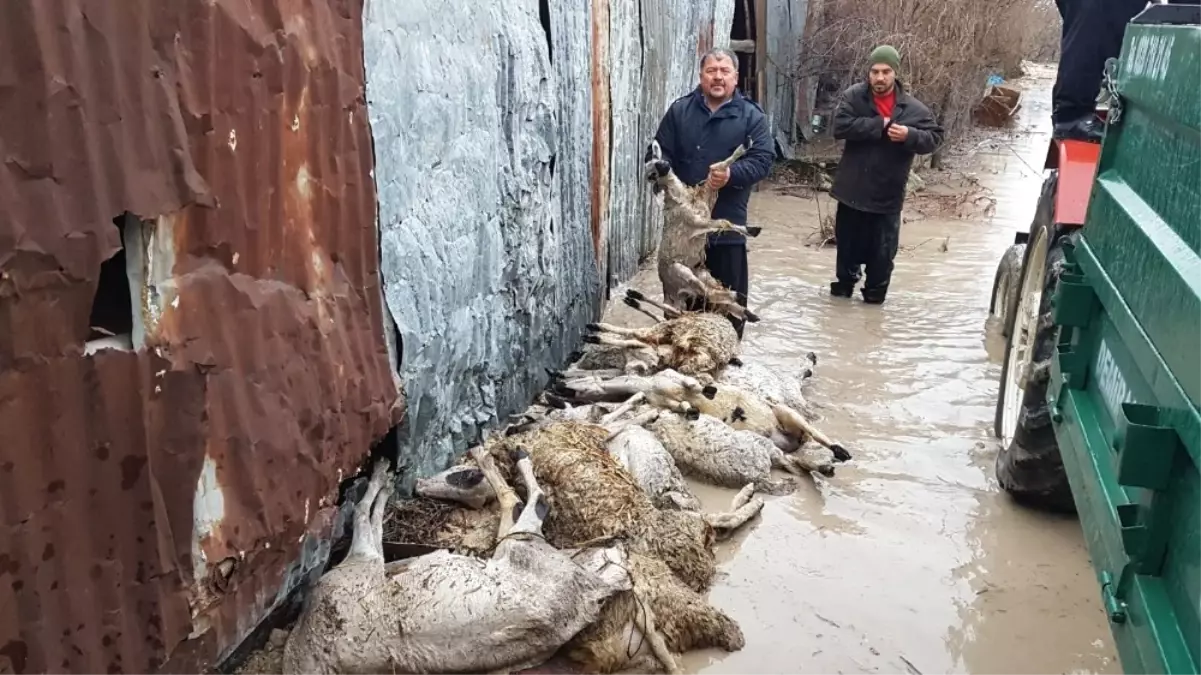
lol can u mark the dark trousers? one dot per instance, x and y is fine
(866, 240)
(727, 263)
(1092, 32)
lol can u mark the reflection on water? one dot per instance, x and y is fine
(910, 559)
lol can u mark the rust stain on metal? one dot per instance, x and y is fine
(154, 501)
(600, 134)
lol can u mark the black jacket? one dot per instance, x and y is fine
(874, 170)
(692, 138)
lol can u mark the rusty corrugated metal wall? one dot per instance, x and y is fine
(155, 502)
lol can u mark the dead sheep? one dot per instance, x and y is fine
(693, 343)
(417, 616)
(595, 498)
(711, 451)
(774, 385)
(687, 222)
(788, 429)
(679, 617)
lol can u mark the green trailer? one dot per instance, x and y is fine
(1099, 403)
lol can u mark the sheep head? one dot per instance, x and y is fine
(657, 168)
(461, 484)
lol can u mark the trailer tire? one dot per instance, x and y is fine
(1028, 465)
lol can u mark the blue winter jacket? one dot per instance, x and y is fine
(692, 138)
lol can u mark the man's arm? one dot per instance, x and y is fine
(666, 136)
(925, 134)
(851, 127)
(756, 163)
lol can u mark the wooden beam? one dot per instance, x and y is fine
(743, 46)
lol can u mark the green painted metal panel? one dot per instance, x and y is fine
(1126, 378)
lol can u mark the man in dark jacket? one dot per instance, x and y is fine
(884, 128)
(704, 127)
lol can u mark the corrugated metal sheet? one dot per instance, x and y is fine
(656, 43)
(155, 503)
(723, 22)
(487, 272)
(784, 26)
(628, 192)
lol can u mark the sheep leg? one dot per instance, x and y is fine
(367, 541)
(638, 307)
(639, 334)
(506, 498)
(734, 156)
(623, 408)
(743, 507)
(639, 420)
(723, 225)
(536, 508)
(580, 373)
(645, 621)
(668, 311)
(796, 424)
(612, 341)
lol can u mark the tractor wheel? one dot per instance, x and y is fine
(1028, 465)
(1005, 287)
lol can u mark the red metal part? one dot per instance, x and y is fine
(1077, 164)
(153, 503)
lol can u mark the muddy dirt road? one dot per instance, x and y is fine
(911, 559)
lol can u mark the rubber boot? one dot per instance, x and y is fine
(842, 289)
(874, 296)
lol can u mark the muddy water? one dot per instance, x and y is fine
(910, 559)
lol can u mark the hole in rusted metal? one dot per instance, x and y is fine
(110, 324)
(544, 16)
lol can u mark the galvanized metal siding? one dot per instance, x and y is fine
(628, 191)
(653, 48)
(488, 273)
(785, 25)
(155, 503)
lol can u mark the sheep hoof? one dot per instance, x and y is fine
(692, 414)
(555, 401)
(575, 356)
(554, 374)
(635, 295)
(753, 231)
(826, 470)
(594, 327)
(751, 317)
(592, 339)
(709, 392)
(518, 454)
(840, 453)
(812, 358)
(736, 362)
(632, 302)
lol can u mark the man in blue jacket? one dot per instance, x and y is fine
(704, 127)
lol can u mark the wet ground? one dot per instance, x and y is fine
(910, 559)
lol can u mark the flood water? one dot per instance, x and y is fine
(910, 559)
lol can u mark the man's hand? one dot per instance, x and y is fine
(898, 133)
(718, 178)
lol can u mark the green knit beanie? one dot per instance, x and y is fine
(886, 54)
